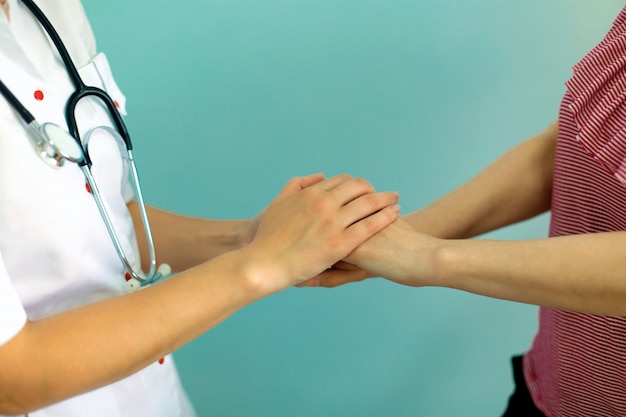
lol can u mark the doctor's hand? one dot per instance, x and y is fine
(312, 224)
(293, 186)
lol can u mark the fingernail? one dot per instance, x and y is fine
(396, 208)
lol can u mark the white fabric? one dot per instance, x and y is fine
(12, 314)
(55, 252)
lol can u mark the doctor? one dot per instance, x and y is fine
(75, 338)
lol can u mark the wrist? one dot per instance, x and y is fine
(244, 232)
(452, 263)
(262, 276)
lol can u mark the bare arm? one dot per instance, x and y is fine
(301, 233)
(106, 341)
(585, 273)
(184, 241)
(516, 187)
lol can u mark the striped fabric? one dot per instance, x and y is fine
(577, 363)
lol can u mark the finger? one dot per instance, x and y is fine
(309, 283)
(365, 228)
(341, 266)
(332, 182)
(350, 189)
(367, 205)
(332, 278)
(344, 265)
(309, 180)
(297, 184)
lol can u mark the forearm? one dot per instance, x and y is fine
(516, 187)
(101, 343)
(184, 241)
(310, 225)
(585, 273)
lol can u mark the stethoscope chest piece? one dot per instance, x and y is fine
(54, 145)
(59, 145)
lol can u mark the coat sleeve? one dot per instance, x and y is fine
(12, 313)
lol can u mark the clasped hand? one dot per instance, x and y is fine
(399, 253)
(313, 223)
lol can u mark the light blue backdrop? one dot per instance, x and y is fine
(228, 99)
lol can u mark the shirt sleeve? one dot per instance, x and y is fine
(12, 313)
(598, 90)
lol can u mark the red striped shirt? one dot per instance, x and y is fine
(577, 363)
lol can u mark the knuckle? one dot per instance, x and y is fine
(371, 201)
(390, 214)
(384, 217)
(308, 192)
(313, 195)
(371, 226)
(294, 180)
(321, 205)
(363, 184)
(343, 176)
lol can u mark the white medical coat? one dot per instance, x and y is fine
(55, 253)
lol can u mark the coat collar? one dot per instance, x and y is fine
(68, 18)
(9, 46)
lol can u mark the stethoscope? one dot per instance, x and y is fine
(55, 146)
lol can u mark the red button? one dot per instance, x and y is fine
(161, 361)
(38, 95)
(87, 187)
(128, 276)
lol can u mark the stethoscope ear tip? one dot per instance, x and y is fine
(164, 270)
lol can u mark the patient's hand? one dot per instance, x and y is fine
(341, 273)
(399, 253)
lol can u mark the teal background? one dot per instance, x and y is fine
(229, 99)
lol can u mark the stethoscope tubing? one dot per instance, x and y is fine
(81, 89)
(43, 143)
(152, 275)
(16, 104)
(72, 125)
(56, 39)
